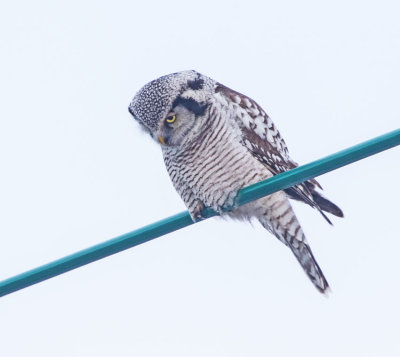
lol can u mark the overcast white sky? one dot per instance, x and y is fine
(76, 170)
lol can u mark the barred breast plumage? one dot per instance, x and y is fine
(216, 141)
(212, 168)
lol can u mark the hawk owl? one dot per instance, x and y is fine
(215, 141)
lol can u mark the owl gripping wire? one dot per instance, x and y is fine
(216, 141)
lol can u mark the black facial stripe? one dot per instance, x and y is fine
(190, 104)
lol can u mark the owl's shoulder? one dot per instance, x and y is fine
(259, 133)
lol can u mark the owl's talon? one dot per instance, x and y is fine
(197, 213)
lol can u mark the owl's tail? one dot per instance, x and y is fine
(306, 259)
(279, 218)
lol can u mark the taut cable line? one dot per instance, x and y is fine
(181, 220)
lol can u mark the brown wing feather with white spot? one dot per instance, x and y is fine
(263, 140)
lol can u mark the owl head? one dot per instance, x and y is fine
(171, 108)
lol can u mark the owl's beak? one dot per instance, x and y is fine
(161, 140)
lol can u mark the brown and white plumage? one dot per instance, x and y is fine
(216, 141)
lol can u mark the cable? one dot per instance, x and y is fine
(181, 220)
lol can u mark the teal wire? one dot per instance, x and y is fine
(181, 220)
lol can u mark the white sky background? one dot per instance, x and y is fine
(76, 170)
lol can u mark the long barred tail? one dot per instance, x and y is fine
(277, 216)
(306, 259)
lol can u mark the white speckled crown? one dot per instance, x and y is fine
(154, 100)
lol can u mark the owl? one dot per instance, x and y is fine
(216, 141)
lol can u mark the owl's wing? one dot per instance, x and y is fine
(264, 141)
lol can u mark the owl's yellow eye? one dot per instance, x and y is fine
(170, 119)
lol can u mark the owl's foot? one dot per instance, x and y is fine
(196, 213)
